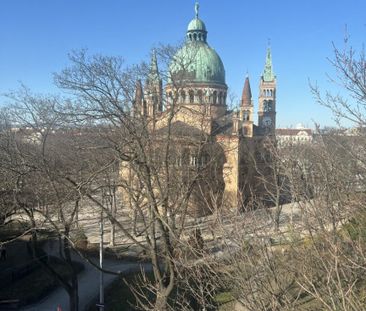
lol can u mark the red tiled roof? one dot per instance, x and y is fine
(246, 97)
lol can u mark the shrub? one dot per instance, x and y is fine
(79, 238)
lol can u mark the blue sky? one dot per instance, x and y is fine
(36, 35)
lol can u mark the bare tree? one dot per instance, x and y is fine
(42, 153)
(163, 168)
(315, 262)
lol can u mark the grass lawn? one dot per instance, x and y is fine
(118, 296)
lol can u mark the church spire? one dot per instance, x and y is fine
(139, 103)
(268, 73)
(154, 75)
(139, 95)
(246, 98)
(154, 88)
(246, 109)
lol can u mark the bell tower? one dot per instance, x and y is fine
(153, 91)
(267, 98)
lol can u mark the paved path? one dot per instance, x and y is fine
(88, 284)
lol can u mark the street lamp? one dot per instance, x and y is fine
(101, 281)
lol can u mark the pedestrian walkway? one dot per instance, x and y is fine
(88, 286)
(88, 281)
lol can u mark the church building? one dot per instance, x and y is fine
(197, 91)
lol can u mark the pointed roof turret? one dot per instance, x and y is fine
(139, 94)
(138, 104)
(246, 97)
(268, 73)
(154, 75)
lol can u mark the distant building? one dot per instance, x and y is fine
(296, 136)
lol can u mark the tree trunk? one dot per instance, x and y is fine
(112, 237)
(161, 303)
(114, 213)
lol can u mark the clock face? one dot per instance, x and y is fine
(267, 121)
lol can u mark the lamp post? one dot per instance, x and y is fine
(101, 286)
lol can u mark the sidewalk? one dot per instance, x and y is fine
(88, 287)
(88, 282)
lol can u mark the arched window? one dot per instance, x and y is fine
(179, 160)
(144, 107)
(246, 116)
(214, 98)
(193, 160)
(267, 105)
(155, 100)
(170, 98)
(220, 98)
(204, 160)
(191, 97)
(195, 36)
(183, 97)
(200, 96)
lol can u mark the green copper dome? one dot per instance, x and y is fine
(196, 24)
(196, 61)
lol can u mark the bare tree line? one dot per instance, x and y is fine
(66, 150)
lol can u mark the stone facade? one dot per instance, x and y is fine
(194, 101)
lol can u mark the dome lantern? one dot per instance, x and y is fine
(196, 30)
